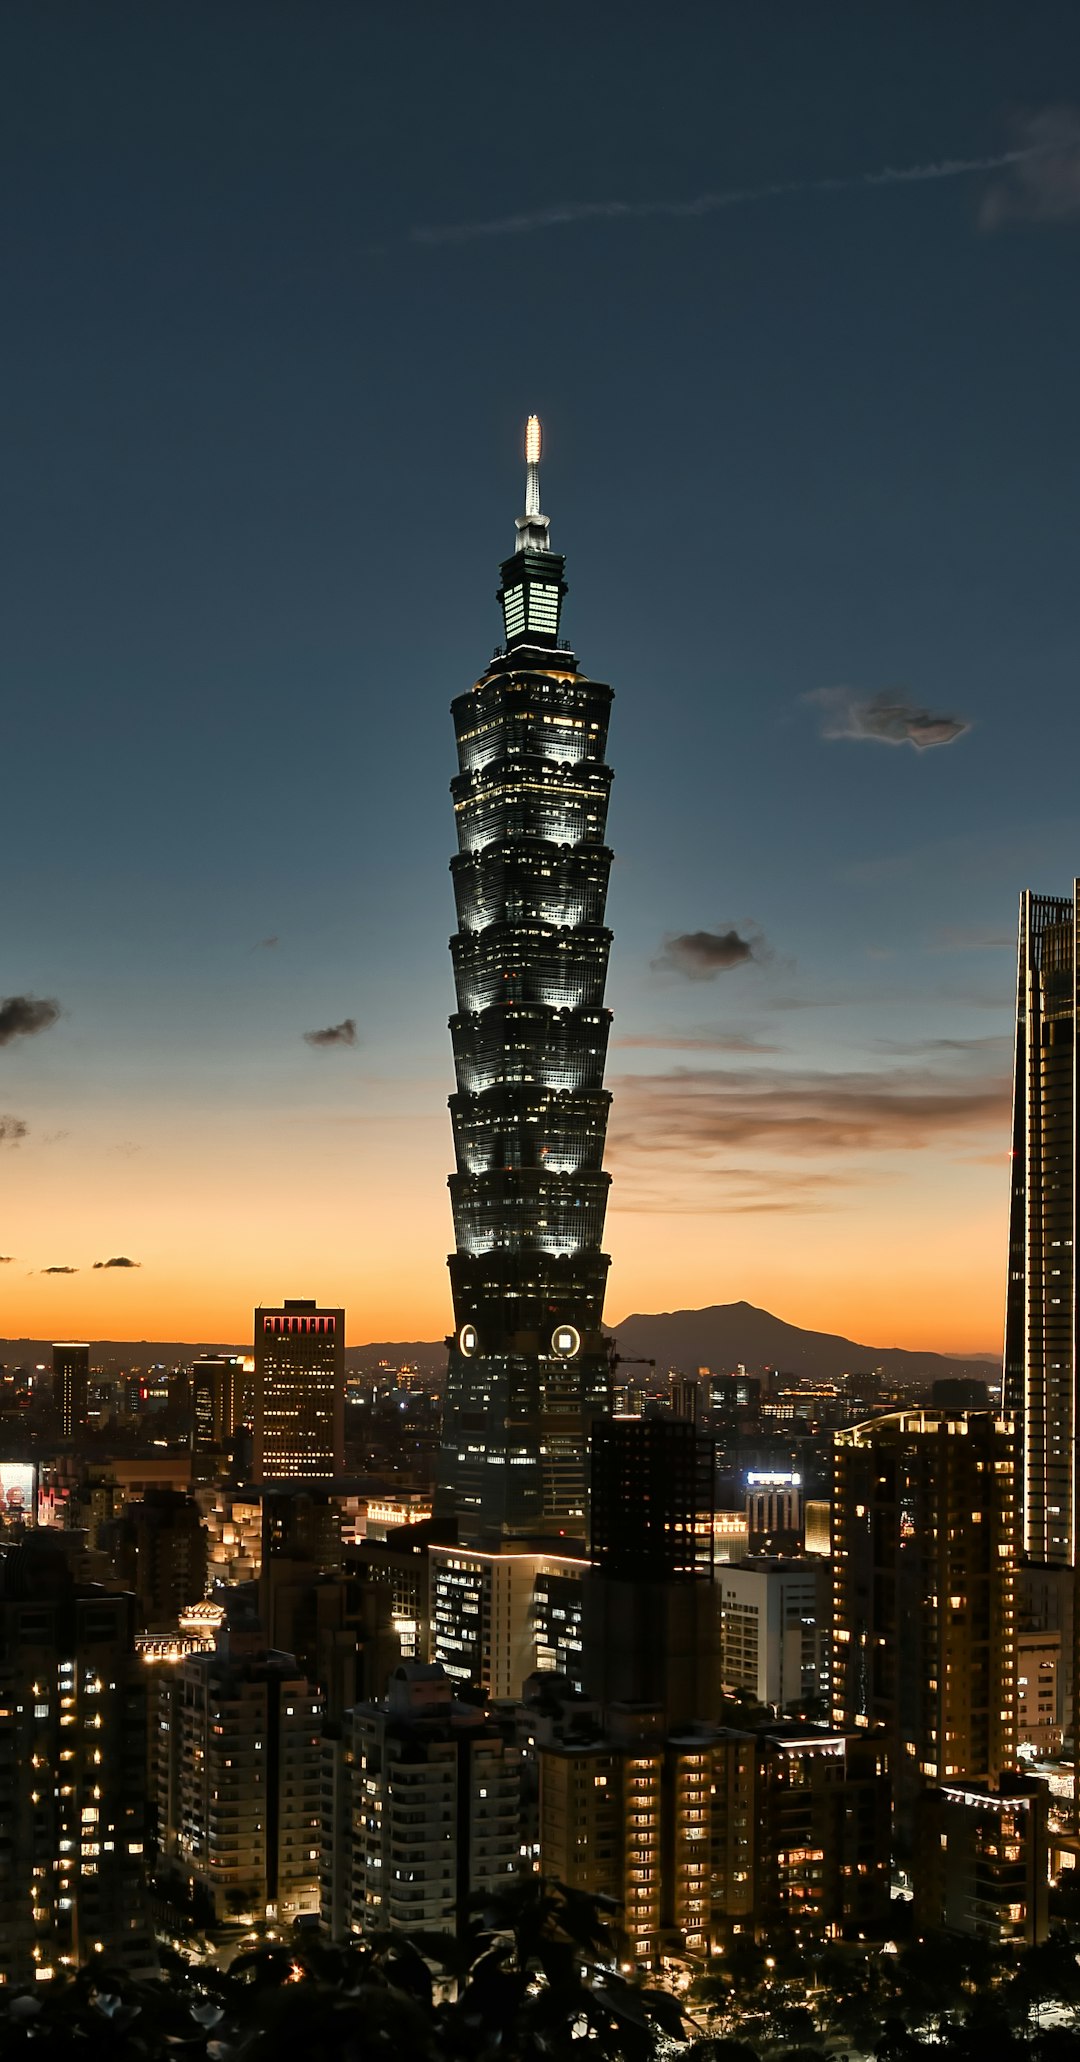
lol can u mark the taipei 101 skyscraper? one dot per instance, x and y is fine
(528, 1367)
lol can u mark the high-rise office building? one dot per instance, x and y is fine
(299, 1392)
(528, 1366)
(71, 1380)
(1040, 1313)
(924, 1628)
(216, 1400)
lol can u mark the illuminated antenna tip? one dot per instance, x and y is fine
(532, 440)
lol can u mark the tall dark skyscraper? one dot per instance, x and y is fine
(71, 1377)
(1040, 1317)
(528, 1366)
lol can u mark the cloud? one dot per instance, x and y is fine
(22, 1015)
(266, 944)
(887, 719)
(6, 1258)
(59, 1270)
(571, 214)
(698, 1112)
(701, 1041)
(120, 1261)
(977, 939)
(1042, 182)
(987, 1042)
(335, 1034)
(701, 955)
(12, 1129)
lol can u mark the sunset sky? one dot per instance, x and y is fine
(795, 291)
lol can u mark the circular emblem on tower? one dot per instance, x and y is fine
(468, 1340)
(565, 1342)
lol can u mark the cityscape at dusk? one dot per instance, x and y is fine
(540, 1480)
(813, 457)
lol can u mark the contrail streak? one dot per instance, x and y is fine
(573, 212)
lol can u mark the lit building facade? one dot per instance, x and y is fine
(981, 1862)
(72, 1772)
(217, 1400)
(706, 1831)
(299, 1392)
(71, 1380)
(1040, 1375)
(924, 1619)
(528, 1367)
(238, 1757)
(498, 1616)
(421, 1810)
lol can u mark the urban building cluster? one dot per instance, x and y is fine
(735, 1650)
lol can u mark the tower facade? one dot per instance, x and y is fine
(528, 1367)
(71, 1379)
(1040, 1313)
(299, 1392)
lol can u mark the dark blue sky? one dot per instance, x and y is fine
(260, 461)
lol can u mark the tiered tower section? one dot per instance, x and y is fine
(528, 1362)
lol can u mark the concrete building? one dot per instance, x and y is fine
(709, 1831)
(493, 1616)
(774, 1617)
(299, 1392)
(980, 1865)
(238, 1760)
(72, 1771)
(234, 1523)
(1040, 1694)
(774, 1516)
(420, 1809)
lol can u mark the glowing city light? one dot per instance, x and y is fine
(532, 440)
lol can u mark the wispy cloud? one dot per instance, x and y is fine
(698, 1112)
(1042, 181)
(59, 1270)
(695, 1041)
(23, 1015)
(885, 719)
(266, 944)
(12, 1130)
(6, 1259)
(732, 1191)
(572, 214)
(121, 1260)
(334, 1034)
(980, 939)
(988, 1042)
(701, 955)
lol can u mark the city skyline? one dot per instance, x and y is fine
(843, 574)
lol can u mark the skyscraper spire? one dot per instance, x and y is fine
(532, 527)
(533, 584)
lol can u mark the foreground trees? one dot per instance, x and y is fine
(536, 1978)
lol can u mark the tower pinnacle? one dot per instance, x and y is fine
(532, 527)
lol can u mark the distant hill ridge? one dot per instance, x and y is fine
(721, 1337)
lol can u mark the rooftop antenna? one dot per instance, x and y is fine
(532, 527)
